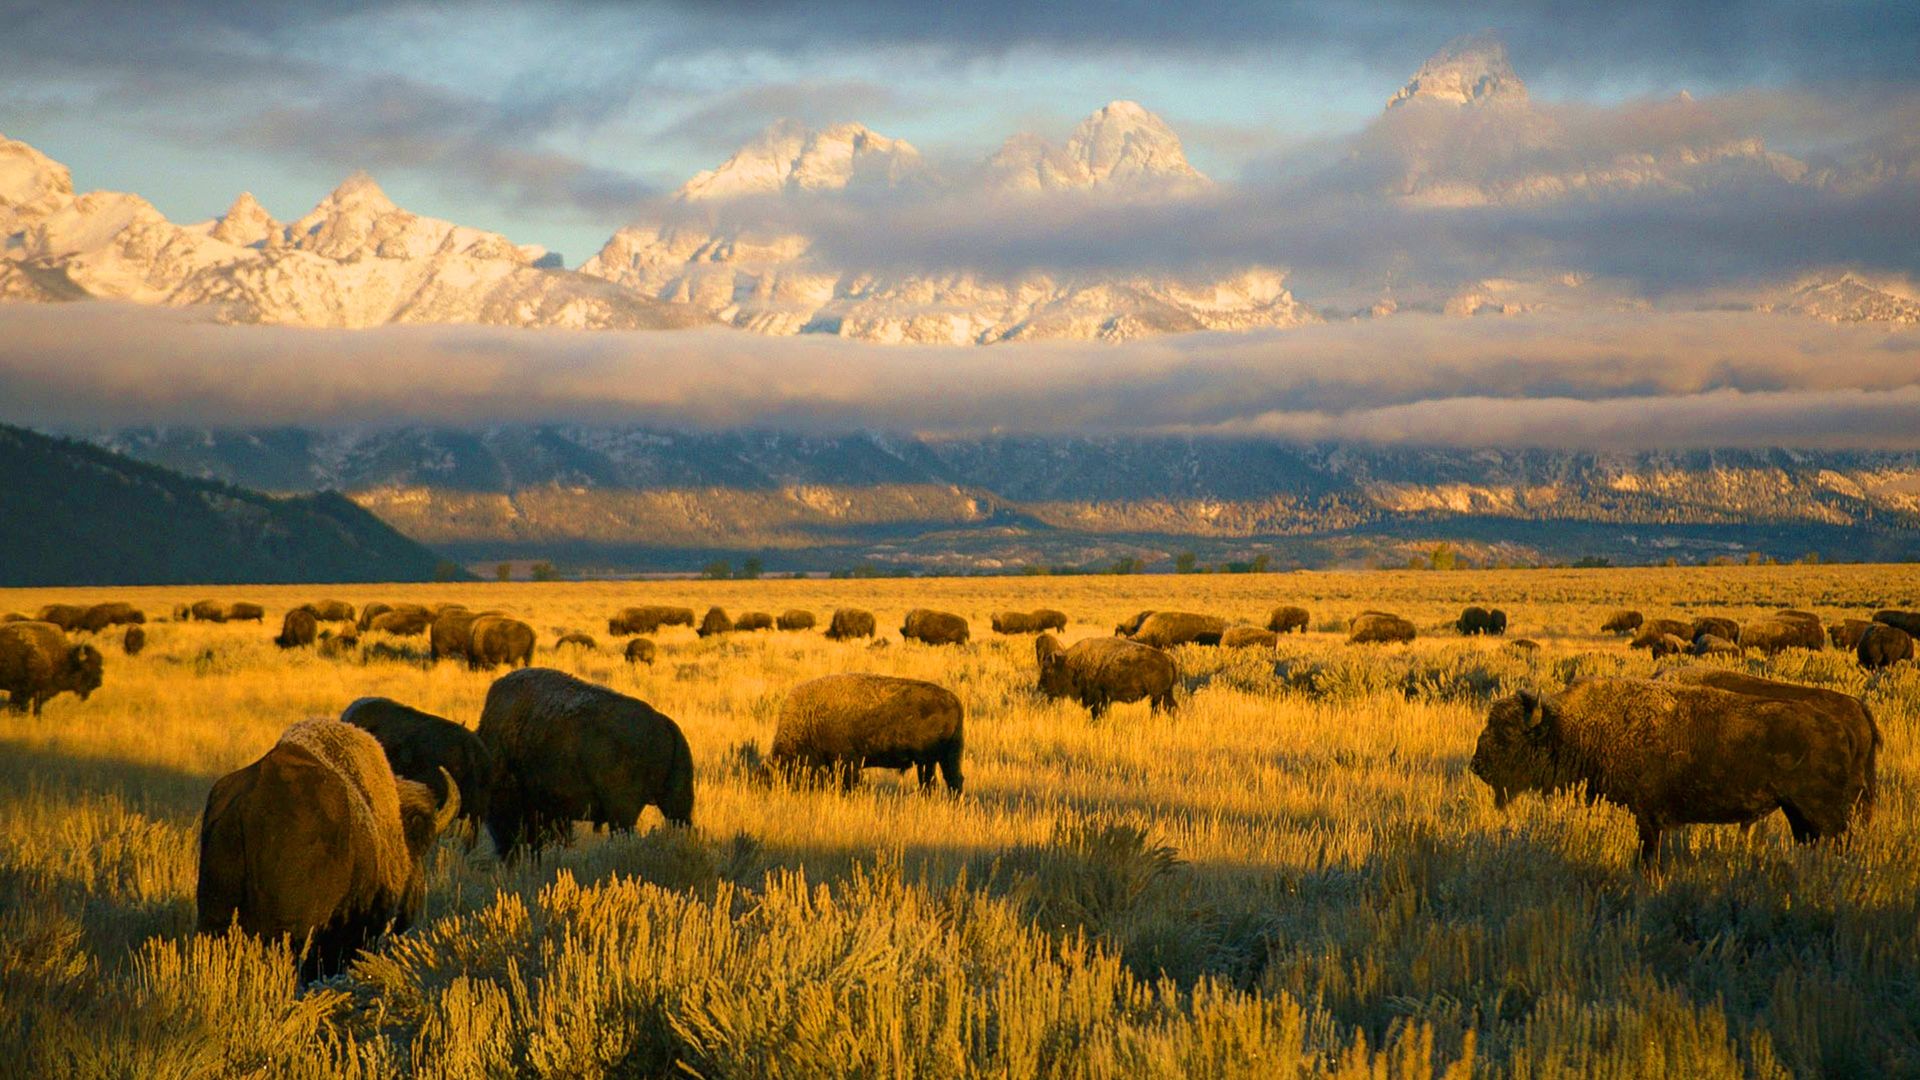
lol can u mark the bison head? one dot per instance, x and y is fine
(1513, 752)
(84, 667)
(1055, 680)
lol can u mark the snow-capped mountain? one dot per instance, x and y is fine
(1466, 71)
(1120, 145)
(789, 158)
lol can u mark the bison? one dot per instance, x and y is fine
(134, 640)
(1908, 621)
(371, 612)
(1479, 620)
(1883, 646)
(1248, 637)
(317, 841)
(1674, 753)
(38, 663)
(1286, 619)
(1667, 645)
(1714, 645)
(640, 651)
(842, 724)
(1716, 625)
(298, 629)
(753, 620)
(430, 750)
(1774, 634)
(497, 639)
(65, 616)
(647, 619)
(242, 611)
(1100, 671)
(715, 622)
(409, 621)
(795, 619)
(1524, 645)
(578, 640)
(1165, 629)
(850, 623)
(1130, 626)
(330, 610)
(1622, 622)
(1028, 622)
(1846, 634)
(1377, 626)
(451, 635)
(118, 613)
(566, 750)
(208, 611)
(934, 627)
(15, 616)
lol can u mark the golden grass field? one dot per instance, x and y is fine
(1293, 875)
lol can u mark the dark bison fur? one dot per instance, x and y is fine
(1908, 621)
(838, 725)
(1098, 672)
(419, 745)
(38, 663)
(795, 619)
(648, 619)
(934, 627)
(1287, 618)
(1165, 629)
(850, 623)
(1883, 646)
(1653, 630)
(640, 651)
(1622, 622)
(496, 640)
(298, 629)
(1377, 626)
(715, 622)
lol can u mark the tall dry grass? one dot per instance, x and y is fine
(1292, 875)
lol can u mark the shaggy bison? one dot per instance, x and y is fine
(318, 842)
(1715, 625)
(65, 616)
(1248, 637)
(1846, 634)
(134, 640)
(429, 750)
(640, 651)
(451, 635)
(1286, 619)
(1714, 645)
(1028, 622)
(1378, 626)
(371, 612)
(298, 629)
(496, 639)
(1622, 622)
(565, 750)
(1908, 621)
(578, 640)
(409, 621)
(1674, 753)
(208, 611)
(1479, 620)
(850, 623)
(842, 724)
(1100, 671)
(1883, 646)
(753, 620)
(715, 622)
(934, 627)
(1773, 634)
(1165, 629)
(795, 619)
(38, 663)
(1667, 645)
(1130, 626)
(242, 611)
(648, 619)
(330, 610)
(1653, 630)
(118, 613)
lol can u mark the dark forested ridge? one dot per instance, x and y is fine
(72, 513)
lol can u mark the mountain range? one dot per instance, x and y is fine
(731, 245)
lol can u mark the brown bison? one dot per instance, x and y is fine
(1100, 671)
(1165, 629)
(934, 627)
(242, 611)
(578, 640)
(298, 629)
(430, 750)
(1131, 625)
(1248, 637)
(795, 619)
(1716, 625)
(1667, 645)
(318, 842)
(65, 616)
(1286, 619)
(648, 619)
(330, 610)
(753, 620)
(451, 635)
(1908, 621)
(15, 616)
(408, 621)
(1771, 635)
(715, 622)
(842, 724)
(371, 612)
(496, 639)
(1622, 622)
(1846, 634)
(1028, 622)
(118, 613)
(565, 750)
(1524, 645)
(1674, 753)
(1377, 626)
(850, 623)
(640, 651)
(1714, 645)
(1653, 630)
(134, 640)
(1883, 646)
(1478, 620)
(38, 663)
(208, 611)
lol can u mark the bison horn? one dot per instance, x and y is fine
(450, 806)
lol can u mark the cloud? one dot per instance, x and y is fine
(1670, 380)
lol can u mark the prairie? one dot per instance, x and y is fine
(1292, 875)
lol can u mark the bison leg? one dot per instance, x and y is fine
(1096, 706)
(1162, 702)
(1649, 843)
(924, 769)
(950, 766)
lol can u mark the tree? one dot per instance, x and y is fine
(503, 572)
(1185, 562)
(1443, 556)
(1261, 562)
(717, 570)
(750, 569)
(446, 570)
(545, 571)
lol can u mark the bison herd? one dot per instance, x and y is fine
(1881, 641)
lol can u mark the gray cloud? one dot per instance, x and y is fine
(1646, 379)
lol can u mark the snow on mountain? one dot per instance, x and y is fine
(1121, 144)
(1471, 70)
(787, 157)
(1847, 298)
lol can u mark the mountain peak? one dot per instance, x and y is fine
(360, 192)
(789, 156)
(1120, 143)
(245, 223)
(1470, 70)
(31, 178)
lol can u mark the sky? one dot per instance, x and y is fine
(555, 122)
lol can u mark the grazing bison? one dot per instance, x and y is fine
(1130, 626)
(1667, 645)
(1674, 753)
(451, 635)
(65, 616)
(1908, 621)
(134, 640)
(1287, 618)
(1622, 622)
(14, 616)
(242, 611)
(934, 627)
(714, 622)
(1524, 645)
(318, 842)
(1248, 637)
(1479, 620)
(578, 640)
(640, 651)
(409, 621)
(1100, 671)
(647, 619)
(430, 750)
(1165, 629)
(1652, 630)
(298, 629)
(118, 613)
(1883, 646)
(795, 619)
(1378, 626)
(1715, 625)
(331, 610)
(208, 611)
(850, 623)
(1846, 635)
(753, 620)
(842, 724)
(496, 640)
(1774, 634)
(1714, 645)
(371, 612)
(1037, 621)
(565, 750)
(38, 663)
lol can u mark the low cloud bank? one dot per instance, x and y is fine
(1643, 379)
